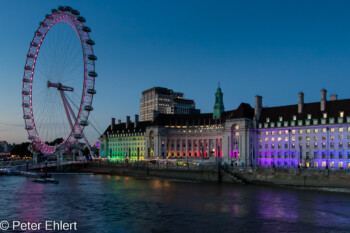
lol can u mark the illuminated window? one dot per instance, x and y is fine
(316, 130)
(315, 145)
(307, 138)
(332, 137)
(300, 131)
(308, 131)
(331, 164)
(286, 131)
(309, 116)
(272, 139)
(266, 139)
(280, 118)
(293, 131)
(341, 114)
(324, 130)
(267, 119)
(294, 118)
(323, 145)
(286, 139)
(332, 129)
(280, 132)
(323, 164)
(308, 145)
(340, 164)
(324, 115)
(315, 164)
(341, 129)
(279, 139)
(293, 138)
(315, 138)
(293, 145)
(273, 132)
(260, 140)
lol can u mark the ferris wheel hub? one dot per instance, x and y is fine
(59, 86)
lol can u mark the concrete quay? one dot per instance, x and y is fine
(291, 177)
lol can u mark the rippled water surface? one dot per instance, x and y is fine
(125, 204)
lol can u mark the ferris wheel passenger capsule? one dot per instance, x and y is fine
(92, 57)
(93, 74)
(91, 91)
(90, 42)
(75, 12)
(78, 136)
(81, 19)
(28, 67)
(88, 108)
(84, 123)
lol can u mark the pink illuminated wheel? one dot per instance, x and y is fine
(59, 80)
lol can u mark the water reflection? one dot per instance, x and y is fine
(126, 204)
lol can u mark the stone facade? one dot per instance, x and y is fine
(305, 134)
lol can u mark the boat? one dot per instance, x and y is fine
(46, 180)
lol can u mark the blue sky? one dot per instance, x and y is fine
(271, 48)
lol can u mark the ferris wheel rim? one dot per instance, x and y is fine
(71, 17)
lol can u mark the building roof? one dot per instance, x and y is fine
(159, 90)
(120, 128)
(243, 111)
(333, 108)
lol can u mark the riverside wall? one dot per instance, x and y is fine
(298, 177)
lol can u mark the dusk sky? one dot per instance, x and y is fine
(271, 48)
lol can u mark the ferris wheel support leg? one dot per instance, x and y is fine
(75, 119)
(65, 103)
(35, 158)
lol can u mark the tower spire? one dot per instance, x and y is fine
(219, 103)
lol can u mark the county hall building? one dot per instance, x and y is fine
(305, 134)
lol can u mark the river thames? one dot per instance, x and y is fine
(127, 204)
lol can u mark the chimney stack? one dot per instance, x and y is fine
(112, 123)
(258, 106)
(334, 97)
(323, 99)
(136, 121)
(301, 102)
(119, 121)
(127, 121)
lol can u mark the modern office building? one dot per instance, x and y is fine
(305, 134)
(163, 100)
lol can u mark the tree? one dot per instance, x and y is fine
(21, 149)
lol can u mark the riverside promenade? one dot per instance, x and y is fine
(210, 172)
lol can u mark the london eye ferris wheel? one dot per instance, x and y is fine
(59, 80)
